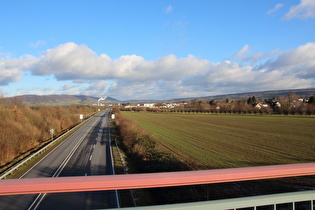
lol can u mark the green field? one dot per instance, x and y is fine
(206, 141)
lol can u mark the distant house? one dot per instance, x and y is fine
(148, 105)
(275, 104)
(130, 106)
(169, 105)
(260, 105)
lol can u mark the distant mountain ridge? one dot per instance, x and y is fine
(59, 99)
(82, 99)
(258, 94)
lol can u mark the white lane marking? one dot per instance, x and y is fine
(41, 196)
(91, 157)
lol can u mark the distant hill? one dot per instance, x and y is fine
(64, 100)
(262, 94)
(59, 99)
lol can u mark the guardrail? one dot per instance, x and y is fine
(304, 200)
(150, 180)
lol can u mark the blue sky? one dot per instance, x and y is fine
(148, 49)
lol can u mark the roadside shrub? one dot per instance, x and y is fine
(24, 128)
(141, 148)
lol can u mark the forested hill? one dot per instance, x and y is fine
(59, 99)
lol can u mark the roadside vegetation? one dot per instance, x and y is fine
(24, 129)
(141, 148)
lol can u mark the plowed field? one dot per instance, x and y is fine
(206, 141)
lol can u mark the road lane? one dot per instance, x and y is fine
(82, 154)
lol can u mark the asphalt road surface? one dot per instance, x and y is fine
(84, 153)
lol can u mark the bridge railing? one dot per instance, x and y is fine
(303, 200)
(151, 180)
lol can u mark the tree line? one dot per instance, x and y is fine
(24, 129)
(283, 105)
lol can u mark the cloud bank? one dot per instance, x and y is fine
(133, 77)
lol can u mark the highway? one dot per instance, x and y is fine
(84, 153)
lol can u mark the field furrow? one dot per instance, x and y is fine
(221, 141)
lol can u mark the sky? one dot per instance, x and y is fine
(155, 49)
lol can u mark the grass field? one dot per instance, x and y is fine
(206, 141)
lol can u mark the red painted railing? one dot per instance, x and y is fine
(151, 180)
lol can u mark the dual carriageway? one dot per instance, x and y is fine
(84, 153)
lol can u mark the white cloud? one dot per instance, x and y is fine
(97, 88)
(66, 87)
(168, 9)
(70, 62)
(304, 10)
(133, 77)
(243, 53)
(12, 69)
(38, 43)
(299, 62)
(35, 90)
(246, 56)
(4, 55)
(8, 75)
(276, 8)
